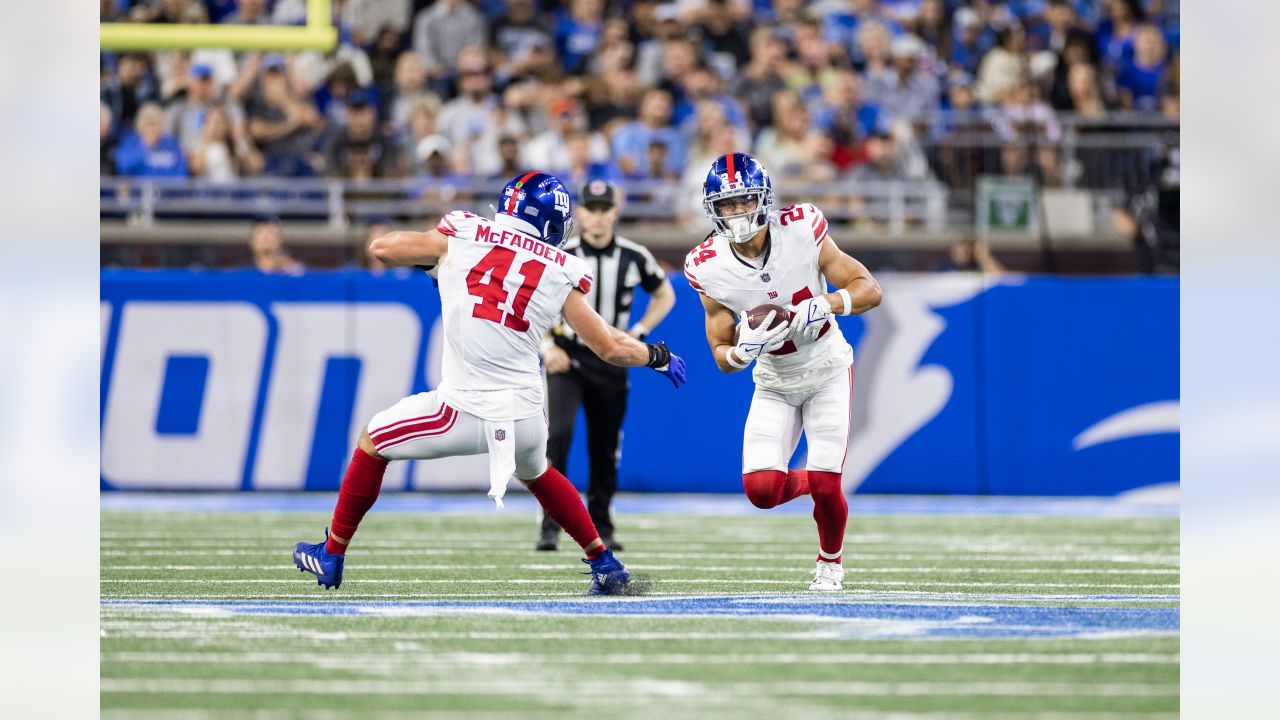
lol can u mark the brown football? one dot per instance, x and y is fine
(756, 315)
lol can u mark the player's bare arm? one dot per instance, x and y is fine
(856, 292)
(721, 326)
(616, 347)
(846, 273)
(611, 344)
(405, 248)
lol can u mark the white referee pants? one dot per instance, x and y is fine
(776, 420)
(424, 427)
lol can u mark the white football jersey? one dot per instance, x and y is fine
(501, 289)
(785, 274)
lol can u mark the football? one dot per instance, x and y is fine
(756, 315)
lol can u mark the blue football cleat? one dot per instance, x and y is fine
(314, 559)
(608, 576)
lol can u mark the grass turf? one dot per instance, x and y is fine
(400, 656)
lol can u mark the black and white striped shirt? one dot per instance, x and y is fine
(619, 268)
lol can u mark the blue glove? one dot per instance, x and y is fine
(667, 363)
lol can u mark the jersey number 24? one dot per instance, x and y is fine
(496, 264)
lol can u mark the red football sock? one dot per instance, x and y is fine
(830, 511)
(359, 491)
(561, 502)
(771, 488)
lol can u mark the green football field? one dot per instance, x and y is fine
(452, 614)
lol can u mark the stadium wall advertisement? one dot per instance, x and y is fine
(235, 380)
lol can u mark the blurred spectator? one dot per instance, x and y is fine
(249, 12)
(632, 141)
(410, 90)
(578, 33)
(360, 136)
(285, 127)
(1139, 77)
(1061, 25)
(1115, 35)
(576, 166)
(129, 88)
(520, 40)
(873, 46)
(885, 162)
(847, 120)
(724, 36)
(509, 164)
(812, 71)
(1150, 216)
(149, 151)
(1028, 121)
(333, 98)
(1083, 91)
(383, 56)
(216, 155)
(106, 142)
(268, 251)
(1079, 50)
(971, 255)
(755, 87)
(422, 124)
(441, 31)
(547, 149)
(1003, 67)
(475, 118)
(368, 19)
(791, 148)
(904, 91)
(843, 106)
(934, 27)
(186, 115)
(667, 27)
(972, 39)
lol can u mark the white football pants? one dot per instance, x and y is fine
(776, 420)
(424, 427)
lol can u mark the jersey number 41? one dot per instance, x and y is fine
(495, 265)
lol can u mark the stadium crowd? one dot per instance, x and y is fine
(451, 90)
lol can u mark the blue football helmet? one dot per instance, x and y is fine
(733, 177)
(540, 201)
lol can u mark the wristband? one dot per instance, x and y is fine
(848, 303)
(659, 355)
(729, 358)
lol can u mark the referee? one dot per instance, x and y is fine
(576, 377)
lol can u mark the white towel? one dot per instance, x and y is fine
(501, 438)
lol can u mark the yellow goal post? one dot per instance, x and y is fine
(317, 34)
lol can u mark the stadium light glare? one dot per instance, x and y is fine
(317, 34)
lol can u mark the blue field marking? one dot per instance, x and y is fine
(691, 504)
(834, 617)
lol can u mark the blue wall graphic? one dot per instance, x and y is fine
(1049, 386)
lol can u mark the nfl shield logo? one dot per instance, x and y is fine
(764, 277)
(500, 434)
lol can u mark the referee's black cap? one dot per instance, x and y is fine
(598, 192)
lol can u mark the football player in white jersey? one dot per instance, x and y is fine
(804, 367)
(503, 283)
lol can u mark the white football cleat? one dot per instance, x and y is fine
(827, 577)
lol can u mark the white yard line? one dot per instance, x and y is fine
(538, 659)
(543, 687)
